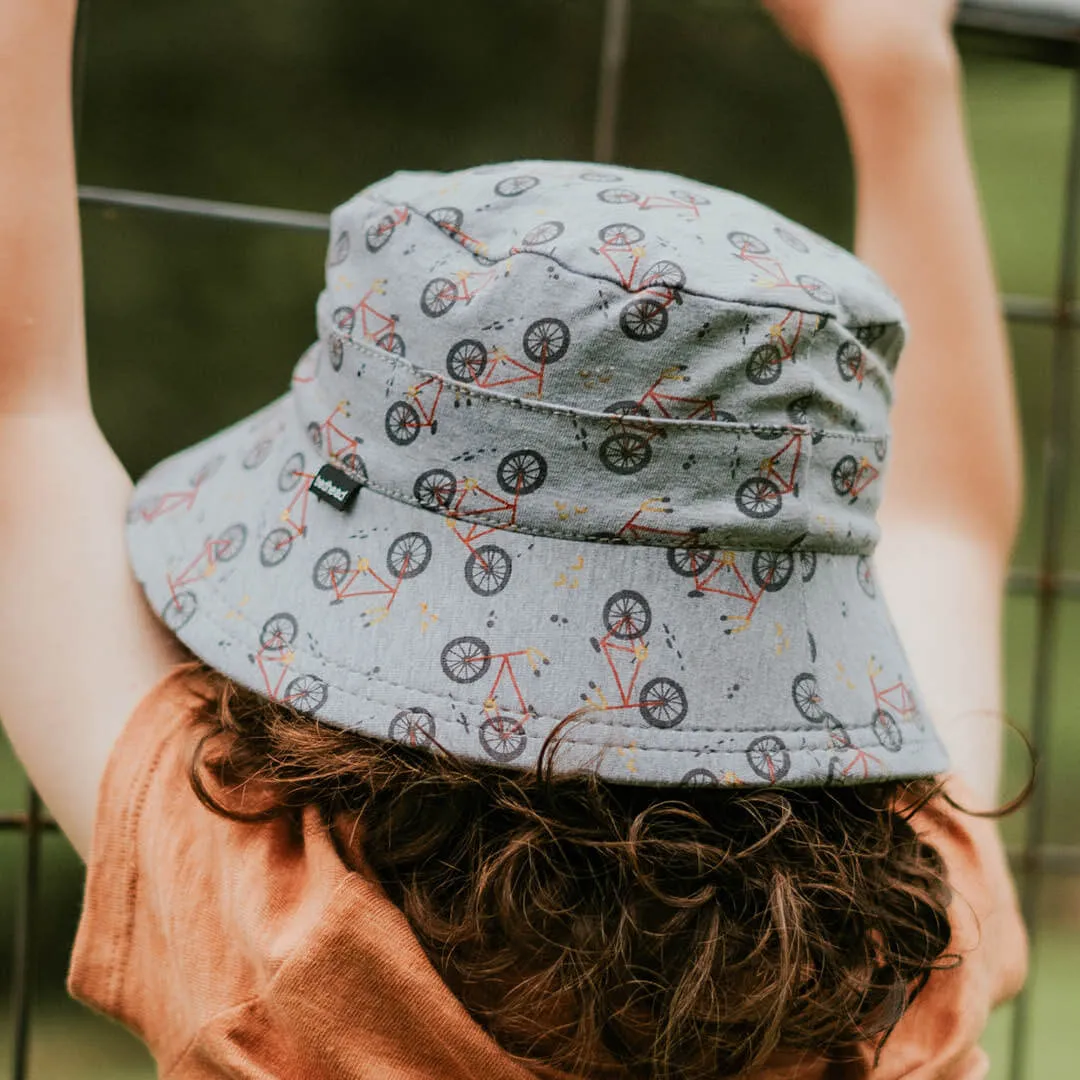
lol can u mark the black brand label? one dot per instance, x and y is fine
(335, 487)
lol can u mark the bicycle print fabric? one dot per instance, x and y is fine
(602, 441)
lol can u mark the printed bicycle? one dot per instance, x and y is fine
(278, 542)
(377, 236)
(762, 496)
(337, 444)
(407, 557)
(375, 327)
(156, 506)
(183, 603)
(772, 274)
(545, 341)
(404, 419)
(305, 693)
(488, 566)
(661, 701)
(502, 733)
(674, 200)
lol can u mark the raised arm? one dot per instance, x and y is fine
(78, 646)
(954, 491)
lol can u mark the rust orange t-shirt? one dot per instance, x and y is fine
(251, 952)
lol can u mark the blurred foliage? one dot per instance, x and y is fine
(193, 323)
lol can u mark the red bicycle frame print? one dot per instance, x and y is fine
(335, 443)
(404, 419)
(771, 273)
(661, 701)
(674, 200)
(305, 693)
(667, 404)
(450, 219)
(375, 327)
(183, 603)
(890, 702)
(502, 733)
(407, 557)
(718, 573)
(762, 496)
(544, 342)
(766, 361)
(635, 529)
(808, 700)
(852, 476)
(645, 317)
(158, 505)
(441, 294)
(377, 236)
(278, 542)
(488, 566)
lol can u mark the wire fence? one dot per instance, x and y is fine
(1047, 31)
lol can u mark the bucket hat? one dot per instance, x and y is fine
(570, 440)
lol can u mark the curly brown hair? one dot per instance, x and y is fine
(610, 929)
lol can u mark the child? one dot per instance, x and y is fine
(514, 744)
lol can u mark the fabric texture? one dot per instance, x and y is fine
(607, 442)
(250, 952)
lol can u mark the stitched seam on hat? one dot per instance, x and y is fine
(752, 304)
(330, 662)
(614, 421)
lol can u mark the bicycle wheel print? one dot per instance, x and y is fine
(747, 244)
(546, 341)
(816, 288)
(391, 343)
(465, 659)
(617, 196)
(448, 218)
(488, 570)
(377, 236)
(807, 565)
(206, 471)
(664, 274)
(625, 452)
(849, 358)
(402, 423)
(337, 351)
(643, 320)
(887, 730)
(627, 408)
(414, 727)
(275, 547)
(764, 364)
(435, 489)
(690, 197)
(340, 251)
(796, 243)
(864, 572)
(621, 234)
(231, 542)
(466, 360)
(769, 758)
(627, 615)
(663, 703)
(502, 738)
(258, 454)
(279, 631)
(543, 233)
(521, 472)
(759, 497)
(438, 297)
(354, 465)
(344, 319)
(700, 778)
(844, 473)
(513, 186)
(331, 569)
(772, 570)
(689, 562)
(598, 176)
(804, 693)
(408, 555)
(179, 610)
(306, 693)
(314, 434)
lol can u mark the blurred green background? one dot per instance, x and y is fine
(193, 323)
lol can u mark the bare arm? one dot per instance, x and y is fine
(78, 646)
(954, 491)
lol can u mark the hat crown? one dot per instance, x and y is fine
(612, 290)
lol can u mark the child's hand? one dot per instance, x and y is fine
(865, 34)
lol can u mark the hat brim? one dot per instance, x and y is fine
(749, 667)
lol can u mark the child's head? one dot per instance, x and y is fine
(564, 530)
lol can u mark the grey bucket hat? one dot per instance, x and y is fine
(571, 440)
